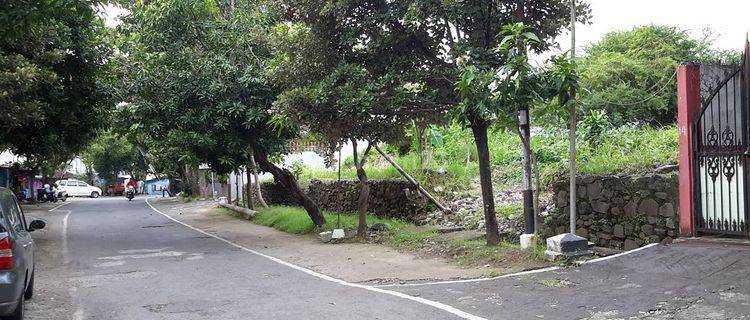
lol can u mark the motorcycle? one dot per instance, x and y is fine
(62, 195)
(130, 194)
(46, 196)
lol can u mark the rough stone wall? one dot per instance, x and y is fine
(388, 198)
(275, 193)
(622, 212)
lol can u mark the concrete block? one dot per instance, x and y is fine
(326, 236)
(338, 234)
(528, 241)
(567, 246)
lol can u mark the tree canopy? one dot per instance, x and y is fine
(192, 74)
(631, 74)
(110, 155)
(53, 58)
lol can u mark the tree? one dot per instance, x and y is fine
(346, 96)
(110, 155)
(419, 42)
(192, 74)
(52, 61)
(630, 74)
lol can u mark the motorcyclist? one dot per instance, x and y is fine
(50, 192)
(130, 192)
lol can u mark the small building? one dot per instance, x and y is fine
(157, 186)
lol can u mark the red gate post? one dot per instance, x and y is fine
(688, 109)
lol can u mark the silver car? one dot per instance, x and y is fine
(16, 257)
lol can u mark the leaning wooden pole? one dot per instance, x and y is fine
(411, 180)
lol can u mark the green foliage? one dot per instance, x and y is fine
(53, 56)
(192, 74)
(630, 74)
(594, 125)
(625, 149)
(110, 155)
(297, 167)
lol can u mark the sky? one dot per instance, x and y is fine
(726, 18)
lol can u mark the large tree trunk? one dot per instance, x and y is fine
(364, 189)
(290, 183)
(479, 129)
(257, 183)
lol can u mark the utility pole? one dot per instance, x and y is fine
(525, 128)
(573, 122)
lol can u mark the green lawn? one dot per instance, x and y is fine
(295, 220)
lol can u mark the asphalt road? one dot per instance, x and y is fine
(109, 258)
(123, 260)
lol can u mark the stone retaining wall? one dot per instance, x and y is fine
(622, 212)
(388, 198)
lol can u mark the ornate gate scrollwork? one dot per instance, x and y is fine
(721, 132)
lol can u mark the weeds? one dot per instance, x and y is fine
(453, 164)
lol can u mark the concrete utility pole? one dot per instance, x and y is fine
(569, 245)
(525, 128)
(573, 123)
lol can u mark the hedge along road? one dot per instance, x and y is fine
(126, 260)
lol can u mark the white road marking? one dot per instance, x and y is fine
(109, 264)
(523, 273)
(195, 256)
(510, 275)
(79, 312)
(144, 255)
(66, 260)
(434, 304)
(619, 254)
(55, 208)
(133, 251)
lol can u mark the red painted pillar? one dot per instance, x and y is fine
(689, 107)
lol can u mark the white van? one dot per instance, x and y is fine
(77, 188)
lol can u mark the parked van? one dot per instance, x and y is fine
(77, 188)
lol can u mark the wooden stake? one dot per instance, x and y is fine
(411, 180)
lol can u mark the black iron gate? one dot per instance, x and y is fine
(721, 157)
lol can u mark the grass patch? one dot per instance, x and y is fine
(295, 220)
(509, 210)
(410, 240)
